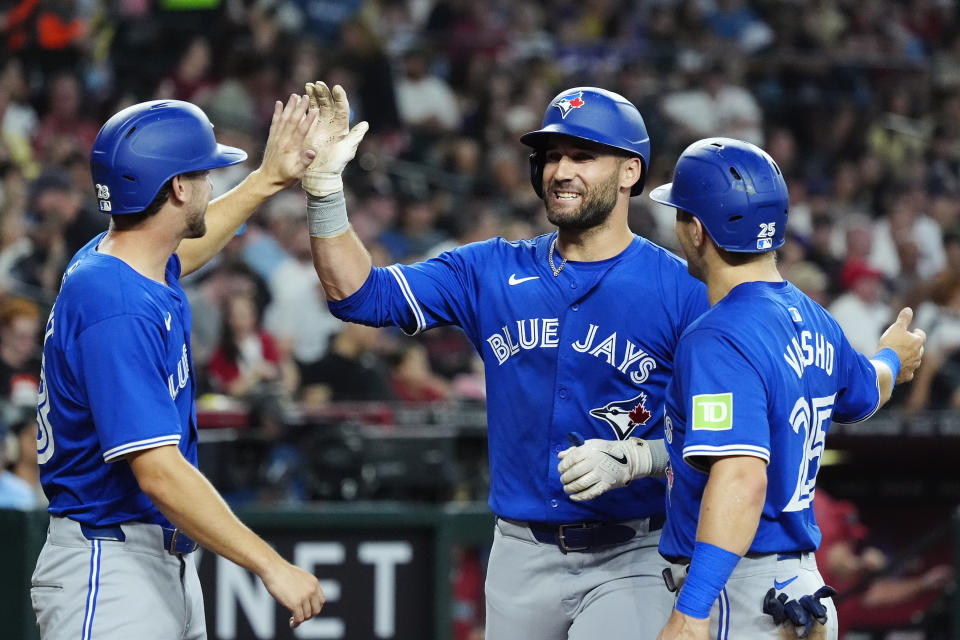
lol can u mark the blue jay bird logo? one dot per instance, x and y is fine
(566, 104)
(624, 415)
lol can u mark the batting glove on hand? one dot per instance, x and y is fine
(599, 465)
(332, 139)
(801, 614)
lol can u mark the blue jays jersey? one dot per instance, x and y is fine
(763, 373)
(590, 350)
(115, 379)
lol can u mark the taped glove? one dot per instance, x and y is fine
(599, 465)
(331, 137)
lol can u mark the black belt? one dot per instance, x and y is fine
(585, 536)
(174, 540)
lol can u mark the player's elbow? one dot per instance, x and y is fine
(155, 469)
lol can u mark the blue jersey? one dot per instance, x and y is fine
(115, 379)
(590, 350)
(763, 373)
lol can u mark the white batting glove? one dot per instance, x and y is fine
(331, 137)
(599, 465)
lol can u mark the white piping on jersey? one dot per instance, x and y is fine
(876, 407)
(726, 450)
(149, 443)
(93, 589)
(408, 296)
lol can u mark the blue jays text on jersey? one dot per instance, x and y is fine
(763, 373)
(590, 350)
(116, 378)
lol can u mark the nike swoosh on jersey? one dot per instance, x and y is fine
(514, 280)
(167, 320)
(622, 459)
(781, 585)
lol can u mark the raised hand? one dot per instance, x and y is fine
(286, 156)
(330, 138)
(906, 343)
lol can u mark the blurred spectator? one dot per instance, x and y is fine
(65, 126)
(56, 227)
(353, 369)
(297, 315)
(736, 22)
(19, 473)
(192, 78)
(869, 597)
(20, 323)
(18, 119)
(427, 105)
(714, 105)
(937, 382)
(208, 294)
(374, 97)
(247, 363)
(905, 222)
(412, 378)
(322, 18)
(861, 312)
(417, 233)
(49, 33)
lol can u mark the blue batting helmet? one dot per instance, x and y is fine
(590, 114)
(142, 147)
(735, 189)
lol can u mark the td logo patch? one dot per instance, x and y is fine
(713, 411)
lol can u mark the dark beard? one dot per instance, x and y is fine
(598, 202)
(196, 227)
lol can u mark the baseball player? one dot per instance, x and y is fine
(759, 379)
(117, 441)
(576, 329)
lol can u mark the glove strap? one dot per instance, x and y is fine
(327, 215)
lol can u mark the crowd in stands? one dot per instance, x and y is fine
(857, 100)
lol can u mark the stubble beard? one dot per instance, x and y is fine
(197, 225)
(598, 203)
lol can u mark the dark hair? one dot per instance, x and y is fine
(130, 220)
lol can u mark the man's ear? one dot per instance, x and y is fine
(699, 233)
(631, 170)
(179, 188)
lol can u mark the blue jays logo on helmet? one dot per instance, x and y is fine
(595, 115)
(735, 189)
(624, 415)
(568, 103)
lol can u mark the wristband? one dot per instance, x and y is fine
(890, 358)
(327, 215)
(659, 458)
(710, 567)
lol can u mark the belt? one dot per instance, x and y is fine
(585, 536)
(174, 540)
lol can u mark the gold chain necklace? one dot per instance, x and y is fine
(556, 270)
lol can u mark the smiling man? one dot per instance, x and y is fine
(577, 330)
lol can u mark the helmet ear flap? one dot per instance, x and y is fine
(537, 159)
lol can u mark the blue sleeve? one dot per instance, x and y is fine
(725, 399)
(121, 367)
(859, 394)
(436, 292)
